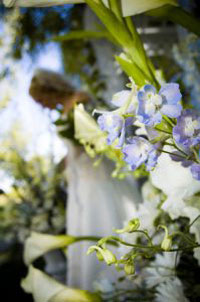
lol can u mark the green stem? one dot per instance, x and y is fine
(184, 248)
(130, 244)
(115, 6)
(196, 155)
(147, 64)
(175, 146)
(180, 150)
(164, 131)
(177, 155)
(145, 234)
(185, 237)
(93, 238)
(194, 221)
(168, 120)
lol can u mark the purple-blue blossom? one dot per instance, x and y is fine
(152, 105)
(139, 151)
(115, 125)
(195, 170)
(186, 133)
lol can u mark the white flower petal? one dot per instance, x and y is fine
(87, 130)
(172, 291)
(129, 7)
(46, 289)
(38, 244)
(134, 7)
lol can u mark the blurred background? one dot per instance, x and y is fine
(41, 68)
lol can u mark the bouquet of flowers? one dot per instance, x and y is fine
(152, 134)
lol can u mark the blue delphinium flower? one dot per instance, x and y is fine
(115, 125)
(121, 98)
(153, 105)
(195, 170)
(186, 133)
(139, 151)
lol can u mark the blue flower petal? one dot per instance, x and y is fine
(171, 93)
(195, 170)
(172, 111)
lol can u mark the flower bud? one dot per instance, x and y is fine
(108, 256)
(129, 268)
(167, 241)
(103, 254)
(99, 256)
(132, 226)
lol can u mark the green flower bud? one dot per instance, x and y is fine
(99, 256)
(103, 254)
(132, 226)
(129, 268)
(167, 241)
(109, 257)
(166, 244)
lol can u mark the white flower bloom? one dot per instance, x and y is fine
(179, 186)
(161, 269)
(129, 7)
(150, 193)
(46, 289)
(170, 291)
(146, 213)
(120, 99)
(38, 244)
(176, 182)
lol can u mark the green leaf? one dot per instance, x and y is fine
(125, 35)
(113, 25)
(132, 70)
(82, 34)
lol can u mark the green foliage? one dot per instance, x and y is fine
(36, 199)
(82, 34)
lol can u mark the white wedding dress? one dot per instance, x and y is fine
(97, 203)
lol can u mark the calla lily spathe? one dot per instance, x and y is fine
(46, 289)
(39, 244)
(129, 7)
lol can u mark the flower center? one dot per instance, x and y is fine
(191, 126)
(154, 102)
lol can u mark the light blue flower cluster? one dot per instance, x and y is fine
(187, 56)
(153, 105)
(186, 134)
(154, 112)
(139, 151)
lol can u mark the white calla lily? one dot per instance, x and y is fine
(39, 3)
(87, 130)
(46, 289)
(129, 7)
(134, 7)
(38, 244)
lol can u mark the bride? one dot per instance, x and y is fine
(96, 202)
